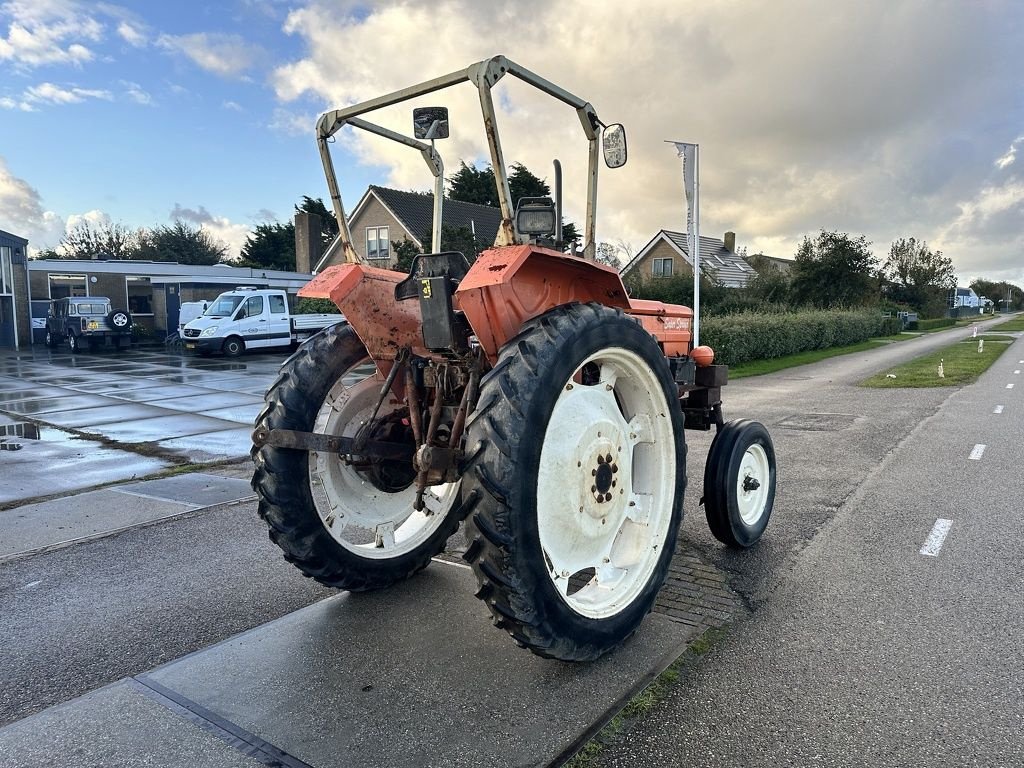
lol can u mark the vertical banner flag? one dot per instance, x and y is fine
(688, 153)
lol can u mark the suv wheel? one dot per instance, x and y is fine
(73, 343)
(51, 339)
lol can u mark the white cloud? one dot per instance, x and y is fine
(225, 55)
(134, 35)
(47, 32)
(229, 233)
(1007, 159)
(22, 212)
(234, 106)
(48, 93)
(136, 93)
(292, 123)
(877, 117)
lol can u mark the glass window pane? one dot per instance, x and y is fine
(140, 295)
(277, 305)
(63, 286)
(255, 306)
(6, 276)
(666, 268)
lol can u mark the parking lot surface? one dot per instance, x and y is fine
(76, 421)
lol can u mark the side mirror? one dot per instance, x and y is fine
(430, 123)
(613, 142)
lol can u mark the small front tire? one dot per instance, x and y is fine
(74, 345)
(51, 339)
(739, 483)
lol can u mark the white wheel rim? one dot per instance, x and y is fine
(754, 471)
(603, 531)
(120, 320)
(362, 518)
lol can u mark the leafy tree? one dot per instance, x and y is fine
(179, 242)
(479, 186)
(459, 239)
(608, 255)
(1006, 296)
(88, 240)
(405, 251)
(834, 270)
(270, 246)
(769, 284)
(919, 276)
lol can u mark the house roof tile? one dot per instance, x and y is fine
(415, 210)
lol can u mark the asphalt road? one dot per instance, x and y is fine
(74, 619)
(863, 651)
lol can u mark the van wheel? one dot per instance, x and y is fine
(233, 346)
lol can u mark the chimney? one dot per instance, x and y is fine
(308, 245)
(730, 242)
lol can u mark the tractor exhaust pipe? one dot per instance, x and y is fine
(558, 206)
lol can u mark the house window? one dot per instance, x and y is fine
(378, 247)
(661, 267)
(140, 295)
(63, 286)
(6, 273)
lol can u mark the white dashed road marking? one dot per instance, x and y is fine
(32, 584)
(997, 409)
(1017, 373)
(933, 543)
(979, 449)
(1009, 386)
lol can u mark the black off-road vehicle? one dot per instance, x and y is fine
(87, 321)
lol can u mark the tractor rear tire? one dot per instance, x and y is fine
(739, 483)
(332, 522)
(576, 471)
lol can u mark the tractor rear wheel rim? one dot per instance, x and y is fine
(358, 515)
(752, 484)
(606, 482)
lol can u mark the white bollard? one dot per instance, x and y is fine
(942, 372)
(981, 345)
(975, 334)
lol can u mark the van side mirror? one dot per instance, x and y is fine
(430, 122)
(613, 142)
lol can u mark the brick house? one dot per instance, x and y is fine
(383, 216)
(15, 328)
(667, 255)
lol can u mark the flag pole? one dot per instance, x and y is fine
(695, 252)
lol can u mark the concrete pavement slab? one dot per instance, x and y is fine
(35, 526)
(202, 403)
(79, 733)
(412, 676)
(158, 428)
(119, 411)
(52, 404)
(29, 391)
(197, 488)
(57, 462)
(160, 392)
(213, 446)
(243, 414)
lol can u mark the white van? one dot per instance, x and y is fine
(249, 318)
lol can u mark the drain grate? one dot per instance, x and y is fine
(818, 422)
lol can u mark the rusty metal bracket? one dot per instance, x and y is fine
(315, 441)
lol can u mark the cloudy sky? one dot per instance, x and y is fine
(885, 118)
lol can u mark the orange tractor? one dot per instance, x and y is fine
(525, 393)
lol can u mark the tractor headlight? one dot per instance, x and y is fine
(209, 331)
(535, 216)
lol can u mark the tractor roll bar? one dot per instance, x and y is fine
(484, 75)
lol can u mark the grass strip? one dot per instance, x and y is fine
(647, 699)
(1013, 324)
(961, 362)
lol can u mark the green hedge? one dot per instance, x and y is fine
(316, 307)
(758, 336)
(927, 325)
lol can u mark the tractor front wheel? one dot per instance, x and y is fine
(576, 470)
(350, 525)
(739, 483)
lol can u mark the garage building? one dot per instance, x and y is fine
(15, 329)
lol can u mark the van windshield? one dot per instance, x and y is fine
(223, 306)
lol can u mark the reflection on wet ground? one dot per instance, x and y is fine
(164, 403)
